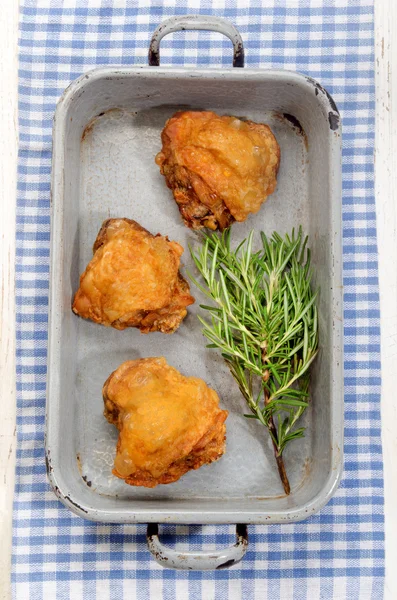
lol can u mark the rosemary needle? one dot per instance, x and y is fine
(263, 319)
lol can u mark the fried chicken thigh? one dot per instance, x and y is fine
(133, 280)
(168, 423)
(220, 169)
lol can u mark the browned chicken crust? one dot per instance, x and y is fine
(168, 423)
(220, 169)
(133, 280)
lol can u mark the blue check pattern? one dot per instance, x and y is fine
(336, 554)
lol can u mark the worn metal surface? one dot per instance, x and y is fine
(117, 162)
(197, 561)
(110, 171)
(196, 22)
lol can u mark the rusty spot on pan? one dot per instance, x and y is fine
(69, 499)
(296, 124)
(333, 119)
(78, 459)
(89, 483)
(333, 115)
(294, 121)
(225, 565)
(48, 462)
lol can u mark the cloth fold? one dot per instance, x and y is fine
(336, 554)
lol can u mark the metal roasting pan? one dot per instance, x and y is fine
(106, 134)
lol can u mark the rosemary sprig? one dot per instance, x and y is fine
(263, 318)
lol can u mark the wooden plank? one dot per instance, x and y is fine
(8, 156)
(386, 211)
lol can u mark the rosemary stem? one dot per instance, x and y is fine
(279, 458)
(282, 472)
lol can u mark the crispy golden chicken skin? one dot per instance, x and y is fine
(133, 280)
(168, 423)
(220, 169)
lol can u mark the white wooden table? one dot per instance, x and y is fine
(386, 208)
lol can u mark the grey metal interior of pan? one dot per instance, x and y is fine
(107, 170)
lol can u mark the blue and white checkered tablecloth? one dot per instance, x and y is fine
(336, 554)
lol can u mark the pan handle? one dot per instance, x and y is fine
(197, 561)
(202, 22)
